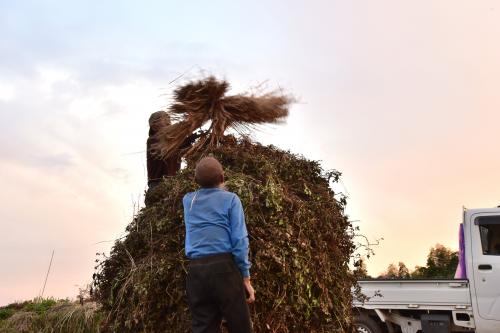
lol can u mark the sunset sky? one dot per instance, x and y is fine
(401, 97)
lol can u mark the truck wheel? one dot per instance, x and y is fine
(365, 324)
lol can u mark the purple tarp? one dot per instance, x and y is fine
(461, 273)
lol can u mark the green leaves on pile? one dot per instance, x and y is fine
(300, 242)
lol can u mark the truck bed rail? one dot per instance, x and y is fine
(415, 294)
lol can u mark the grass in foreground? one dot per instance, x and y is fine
(50, 316)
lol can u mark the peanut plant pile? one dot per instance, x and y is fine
(300, 247)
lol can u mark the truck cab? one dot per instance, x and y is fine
(468, 304)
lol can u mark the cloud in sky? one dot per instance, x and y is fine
(400, 97)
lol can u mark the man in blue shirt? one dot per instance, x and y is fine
(217, 246)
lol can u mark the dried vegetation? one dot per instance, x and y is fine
(300, 238)
(50, 316)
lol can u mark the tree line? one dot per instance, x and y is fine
(441, 264)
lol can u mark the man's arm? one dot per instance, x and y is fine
(239, 237)
(239, 242)
(190, 139)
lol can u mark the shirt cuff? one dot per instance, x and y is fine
(245, 273)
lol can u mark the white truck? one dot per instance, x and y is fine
(438, 306)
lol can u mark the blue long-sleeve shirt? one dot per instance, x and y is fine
(215, 223)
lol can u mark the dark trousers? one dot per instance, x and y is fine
(215, 290)
(150, 197)
(153, 183)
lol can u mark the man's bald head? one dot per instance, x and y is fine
(209, 172)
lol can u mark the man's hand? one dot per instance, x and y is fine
(249, 290)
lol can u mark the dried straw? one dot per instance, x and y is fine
(199, 102)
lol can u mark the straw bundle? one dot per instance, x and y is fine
(203, 101)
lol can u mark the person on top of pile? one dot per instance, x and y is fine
(157, 166)
(217, 246)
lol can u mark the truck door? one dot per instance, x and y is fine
(486, 264)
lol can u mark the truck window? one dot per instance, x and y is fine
(489, 229)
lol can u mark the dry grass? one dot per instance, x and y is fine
(200, 102)
(22, 321)
(60, 317)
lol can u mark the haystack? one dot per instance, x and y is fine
(300, 238)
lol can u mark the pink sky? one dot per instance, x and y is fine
(401, 97)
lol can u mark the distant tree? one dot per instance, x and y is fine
(390, 273)
(403, 271)
(396, 272)
(360, 270)
(441, 263)
(419, 272)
